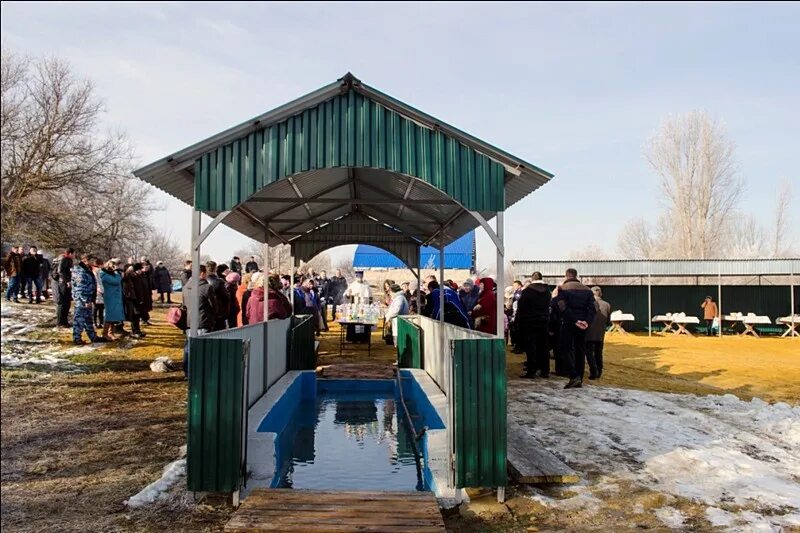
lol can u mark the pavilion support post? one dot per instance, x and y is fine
(441, 291)
(194, 303)
(791, 298)
(291, 277)
(649, 302)
(265, 277)
(419, 290)
(501, 282)
(719, 296)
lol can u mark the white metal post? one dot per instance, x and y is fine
(265, 277)
(649, 302)
(194, 303)
(501, 282)
(419, 290)
(791, 298)
(441, 290)
(719, 296)
(291, 278)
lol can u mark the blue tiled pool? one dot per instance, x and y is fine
(349, 435)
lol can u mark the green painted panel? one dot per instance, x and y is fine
(770, 300)
(349, 130)
(409, 344)
(301, 352)
(480, 412)
(215, 414)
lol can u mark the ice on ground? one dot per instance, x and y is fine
(157, 490)
(18, 348)
(717, 451)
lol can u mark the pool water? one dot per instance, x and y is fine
(349, 435)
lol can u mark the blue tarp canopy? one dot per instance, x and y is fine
(459, 254)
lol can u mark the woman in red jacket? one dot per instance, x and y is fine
(279, 306)
(485, 312)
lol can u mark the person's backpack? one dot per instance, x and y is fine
(177, 317)
(55, 267)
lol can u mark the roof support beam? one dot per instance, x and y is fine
(249, 214)
(405, 197)
(206, 232)
(408, 204)
(496, 239)
(323, 192)
(299, 195)
(354, 201)
(317, 220)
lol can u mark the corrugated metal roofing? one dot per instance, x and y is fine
(673, 267)
(356, 227)
(459, 254)
(345, 126)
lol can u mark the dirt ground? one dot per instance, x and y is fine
(75, 445)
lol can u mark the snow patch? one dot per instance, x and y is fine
(713, 450)
(719, 517)
(157, 490)
(670, 516)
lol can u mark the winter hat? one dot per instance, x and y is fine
(233, 277)
(257, 280)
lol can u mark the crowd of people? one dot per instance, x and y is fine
(568, 320)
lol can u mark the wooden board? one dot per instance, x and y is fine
(331, 511)
(529, 461)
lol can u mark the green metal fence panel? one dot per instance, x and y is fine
(769, 300)
(349, 130)
(409, 344)
(479, 381)
(215, 414)
(300, 350)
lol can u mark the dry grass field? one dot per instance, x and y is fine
(75, 445)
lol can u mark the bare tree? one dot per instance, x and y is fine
(162, 247)
(50, 138)
(694, 160)
(637, 240)
(747, 240)
(781, 243)
(592, 252)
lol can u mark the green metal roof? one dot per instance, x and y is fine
(342, 149)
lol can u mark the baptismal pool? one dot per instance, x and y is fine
(350, 435)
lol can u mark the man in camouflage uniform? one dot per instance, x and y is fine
(84, 292)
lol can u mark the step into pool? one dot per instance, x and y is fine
(350, 435)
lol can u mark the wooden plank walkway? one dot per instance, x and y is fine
(315, 511)
(529, 461)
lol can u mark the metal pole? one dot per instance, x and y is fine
(719, 296)
(441, 290)
(265, 277)
(419, 290)
(291, 277)
(791, 297)
(649, 302)
(194, 304)
(500, 278)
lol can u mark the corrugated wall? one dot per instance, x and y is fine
(349, 130)
(215, 413)
(409, 344)
(771, 300)
(302, 355)
(479, 381)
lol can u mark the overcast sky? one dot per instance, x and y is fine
(573, 88)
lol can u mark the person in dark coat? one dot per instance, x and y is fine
(186, 275)
(163, 282)
(251, 265)
(576, 305)
(596, 333)
(236, 266)
(62, 275)
(31, 274)
(334, 291)
(469, 294)
(220, 293)
(454, 313)
(135, 290)
(44, 274)
(12, 264)
(532, 317)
